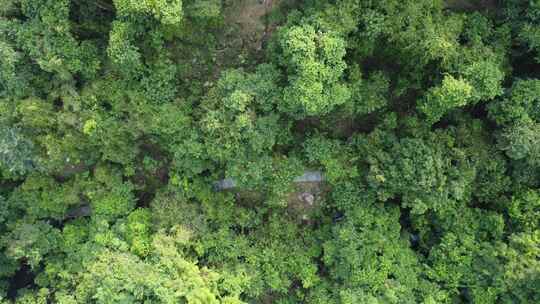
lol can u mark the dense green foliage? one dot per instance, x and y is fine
(117, 117)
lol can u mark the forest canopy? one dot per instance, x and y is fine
(269, 151)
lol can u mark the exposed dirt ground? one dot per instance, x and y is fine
(471, 5)
(247, 27)
(249, 20)
(306, 198)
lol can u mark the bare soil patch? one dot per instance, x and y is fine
(471, 5)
